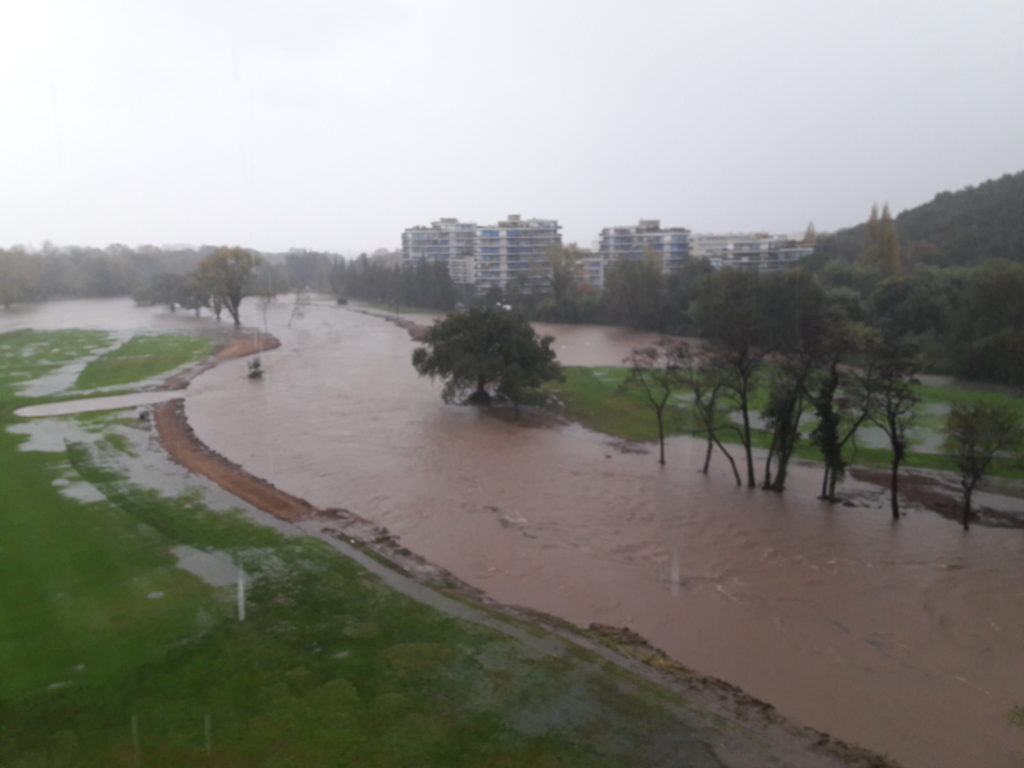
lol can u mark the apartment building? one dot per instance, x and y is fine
(668, 247)
(511, 252)
(515, 251)
(759, 251)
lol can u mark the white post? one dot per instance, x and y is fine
(241, 595)
(135, 740)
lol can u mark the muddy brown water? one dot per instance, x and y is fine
(907, 639)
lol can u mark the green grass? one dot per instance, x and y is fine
(144, 357)
(114, 656)
(593, 397)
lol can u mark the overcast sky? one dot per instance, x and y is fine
(335, 125)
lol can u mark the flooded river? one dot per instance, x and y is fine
(907, 639)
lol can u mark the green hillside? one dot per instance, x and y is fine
(967, 227)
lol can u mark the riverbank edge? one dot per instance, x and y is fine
(619, 645)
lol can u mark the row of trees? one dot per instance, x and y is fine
(420, 284)
(219, 282)
(782, 335)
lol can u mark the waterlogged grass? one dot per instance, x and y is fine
(593, 396)
(28, 354)
(143, 357)
(112, 655)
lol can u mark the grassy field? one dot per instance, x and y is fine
(143, 357)
(113, 655)
(593, 397)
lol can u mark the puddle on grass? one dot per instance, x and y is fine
(215, 568)
(84, 492)
(64, 377)
(49, 435)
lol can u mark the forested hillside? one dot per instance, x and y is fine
(962, 228)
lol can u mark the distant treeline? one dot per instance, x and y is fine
(962, 228)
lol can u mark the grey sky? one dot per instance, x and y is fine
(334, 125)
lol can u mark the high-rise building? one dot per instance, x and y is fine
(668, 247)
(516, 252)
(513, 252)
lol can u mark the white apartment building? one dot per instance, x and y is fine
(758, 250)
(669, 247)
(511, 252)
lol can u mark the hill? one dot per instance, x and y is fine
(973, 225)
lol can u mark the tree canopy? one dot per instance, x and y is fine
(486, 346)
(224, 273)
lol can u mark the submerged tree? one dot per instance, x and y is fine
(225, 275)
(842, 402)
(485, 346)
(893, 360)
(727, 312)
(709, 385)
(976, 433)
(656, 372)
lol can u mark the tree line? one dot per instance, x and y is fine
(784, 335)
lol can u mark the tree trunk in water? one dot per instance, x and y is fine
(735, 472)
(751, 482)
(661, 438)
(707, 455)
(824, 483)
(968, 490)
(768, 467)
(479, 396)
(897, 457)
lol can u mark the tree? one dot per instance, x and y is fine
(842, 401)
(635, 293)
(481, 346)
(797, 330)
(708, 382)
(892, 385)
(881, 243)
(975, 433)
(656, 371)
(727, 313)
(17, 278)
(225, 274)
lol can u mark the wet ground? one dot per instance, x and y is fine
(904, 638)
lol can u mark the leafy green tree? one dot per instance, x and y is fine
(18, 278)
(656, 372)
(225, 274)
(483, 346)
(988, 332)
(881, 243)
(635, 294)
(976, 432)
(891, 382)
(842, 402)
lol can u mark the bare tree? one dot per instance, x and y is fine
(656, 372)
(708, 383)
